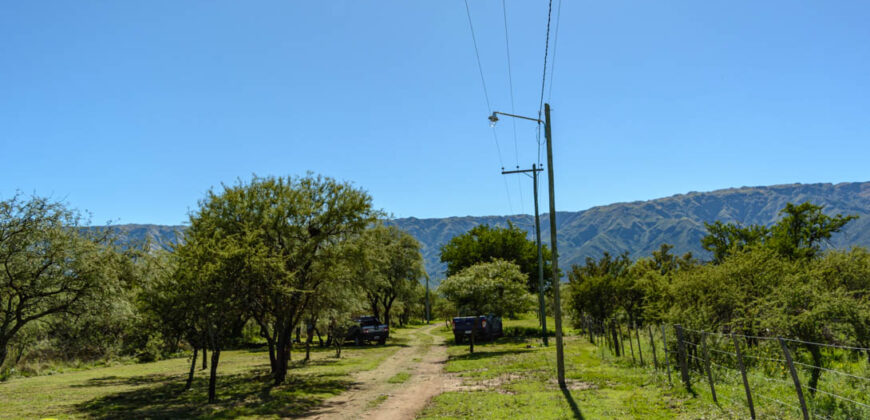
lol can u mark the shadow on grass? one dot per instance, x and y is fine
(249, 394)
(485, 354)
(573, 404)
(125, 380)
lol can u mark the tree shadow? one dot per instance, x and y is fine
(477, 355)
(124, 380)
(248, 394)
(573, 404)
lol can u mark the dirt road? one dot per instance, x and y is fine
(375, 397)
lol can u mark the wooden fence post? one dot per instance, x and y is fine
(681, 355)
(707, 365)
(652, 344)
(743, 373)
(794, 377)
(621, 339)
(639, 351)
(667, 358)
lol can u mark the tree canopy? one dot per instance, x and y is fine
(496, 287)
(484, 243)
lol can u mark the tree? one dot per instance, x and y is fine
(484, 244)
(724, 239)
(390, 266)
(496, 287)
(49, 265)
(216, 281)
(799, 234)
(289, 227)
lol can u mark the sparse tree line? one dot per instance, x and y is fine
(261, 261)
(772, 281)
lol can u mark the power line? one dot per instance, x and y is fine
(513, 110)
(555, 48)
(546, 51)
(544, 76)
(486, 97)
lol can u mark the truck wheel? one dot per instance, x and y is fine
(382, 341)
(357, 341)
(457, 339)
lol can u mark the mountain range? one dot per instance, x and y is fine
(637, 227)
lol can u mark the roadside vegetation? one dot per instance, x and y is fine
(156, 389)
(271, 261)
(514, 377)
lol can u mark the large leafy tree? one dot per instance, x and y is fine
(484, 243)
(48, 265)
(290, 228)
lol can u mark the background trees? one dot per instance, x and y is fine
(484, 243)
(389, 266)
(49, 266)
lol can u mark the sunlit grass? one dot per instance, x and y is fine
(154, 390)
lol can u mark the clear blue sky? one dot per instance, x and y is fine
(132, 110)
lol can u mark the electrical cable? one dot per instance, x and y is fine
(486, 97)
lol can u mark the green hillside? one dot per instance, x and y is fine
(637, 227)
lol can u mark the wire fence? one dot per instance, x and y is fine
(761, 376)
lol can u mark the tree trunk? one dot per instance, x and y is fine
(192, 369)
(615, 340)
(204, 357)
(309, 337)
(815, 372)
(212, 380)
(4, 349)
(319, 338)
(285, 337)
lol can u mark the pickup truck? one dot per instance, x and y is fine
(488, 327)
(368, 328)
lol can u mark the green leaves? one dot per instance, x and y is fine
(496, 287)
(484, 244)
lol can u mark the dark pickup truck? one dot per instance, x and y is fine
(488, 327)
(368, 328)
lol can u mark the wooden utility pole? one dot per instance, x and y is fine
(542, 308)
(560, 357)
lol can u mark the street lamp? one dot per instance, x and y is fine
(560, 360)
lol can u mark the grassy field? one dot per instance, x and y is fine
(154, 390)
(515, 378)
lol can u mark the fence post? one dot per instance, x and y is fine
(794, 376)
(707, 365)
(667, 358)
(743, 373)
(681, 355)
(652, 344)
(630, 343)
(621, 339)
(589, 328)
(639, 351)
(614, 338)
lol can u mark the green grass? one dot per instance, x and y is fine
(154, 390)
(515, 378)
(399, 378)
(377, 401)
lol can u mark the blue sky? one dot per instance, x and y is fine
(132, 110)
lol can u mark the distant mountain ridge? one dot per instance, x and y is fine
(637, 227)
